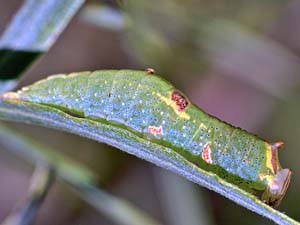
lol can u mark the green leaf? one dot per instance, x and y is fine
(12, 108)
(34, 152)
(118, 210)
(33, 30)
(81, 179)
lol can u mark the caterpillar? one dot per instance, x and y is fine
(152, 108)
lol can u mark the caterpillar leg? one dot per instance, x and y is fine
(277, 187)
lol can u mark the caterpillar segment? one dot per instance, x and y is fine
(152, 108)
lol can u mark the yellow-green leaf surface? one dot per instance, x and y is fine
(47, 103)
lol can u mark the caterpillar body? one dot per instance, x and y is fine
(152, 108)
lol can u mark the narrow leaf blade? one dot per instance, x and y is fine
(33, 30)
(162, 156)
(77, 176)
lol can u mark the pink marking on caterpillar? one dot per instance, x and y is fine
(274, 148)
(155, 130)
(206, 153)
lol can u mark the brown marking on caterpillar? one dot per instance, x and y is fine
(155, 130)
(206, 153)
(180, 100)
(149, 71)
(274, 149)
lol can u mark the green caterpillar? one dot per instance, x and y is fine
(152, 108)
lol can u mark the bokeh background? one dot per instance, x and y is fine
(237, 60)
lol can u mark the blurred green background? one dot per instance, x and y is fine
(237, 60)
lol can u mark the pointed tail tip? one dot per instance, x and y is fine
(277, 144)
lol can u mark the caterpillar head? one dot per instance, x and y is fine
(277, 187)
